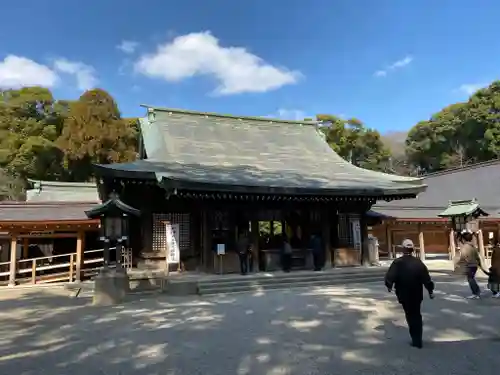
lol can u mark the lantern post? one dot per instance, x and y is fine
(112, 282)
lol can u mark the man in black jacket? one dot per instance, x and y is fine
(243, 249)
(409, 275)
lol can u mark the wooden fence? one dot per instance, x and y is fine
(58, 268)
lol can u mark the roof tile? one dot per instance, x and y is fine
(480, 181)
(228, 150)
(27, 211)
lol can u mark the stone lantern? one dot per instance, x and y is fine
(112, 283)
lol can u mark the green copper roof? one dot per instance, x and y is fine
(463, 208)
(222, 150)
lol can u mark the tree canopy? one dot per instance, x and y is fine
(459, 134)
(30, 123)
(94, 132)
(48, 139)
(355, 142)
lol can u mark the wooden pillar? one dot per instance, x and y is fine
(453, 247)
(388, 241)
(203, 230)
(325, 234)
(365, 253)
(207, 242)
(79, 255)
(421, 242)
(334, 236)
(13, 259)
(480, 243)
(254, 228)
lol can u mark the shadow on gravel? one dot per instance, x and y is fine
(340, 330)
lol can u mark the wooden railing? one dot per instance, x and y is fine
(53, 268)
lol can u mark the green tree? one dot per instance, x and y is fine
(353, 141)
(11, 188)
(94, 132)
(459, 134)
(30, 122)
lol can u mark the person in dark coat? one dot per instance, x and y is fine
(409, 275)
(286, 256)
(243, 247)
(317, 252)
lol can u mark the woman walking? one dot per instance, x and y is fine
(469, 261)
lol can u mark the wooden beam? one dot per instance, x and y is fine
(254, 232)
(47, 235)
(52, 225)
(13, 260)
(79, 255)
(421, 243)
(388, 241)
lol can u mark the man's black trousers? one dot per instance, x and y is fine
(413, 315)
(243, 263)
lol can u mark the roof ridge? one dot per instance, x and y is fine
(235, 117)
(46, 203)
(465, 168)
(43, 183)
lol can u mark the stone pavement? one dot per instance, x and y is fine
(357, 329)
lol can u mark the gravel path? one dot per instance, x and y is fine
(340, 330)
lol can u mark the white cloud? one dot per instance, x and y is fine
(395, 65)
(401, 63)
(128, 46)
(84, 74)
(235, 69)
(290, 114)
(471, 88)
(16, 72)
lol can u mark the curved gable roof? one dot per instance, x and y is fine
(221, 150)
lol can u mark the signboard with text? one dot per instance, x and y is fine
(356, 233)
(173, 249)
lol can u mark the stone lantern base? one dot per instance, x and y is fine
(110, 286)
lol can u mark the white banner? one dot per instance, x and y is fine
(356, 233)
(173, 251)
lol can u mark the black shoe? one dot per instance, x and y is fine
(417, 345)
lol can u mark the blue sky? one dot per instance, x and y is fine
(389, 63)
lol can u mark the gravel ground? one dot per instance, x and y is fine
(358, 329)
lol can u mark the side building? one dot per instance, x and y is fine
(418, 219)
(49, 224)
(213, 176)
